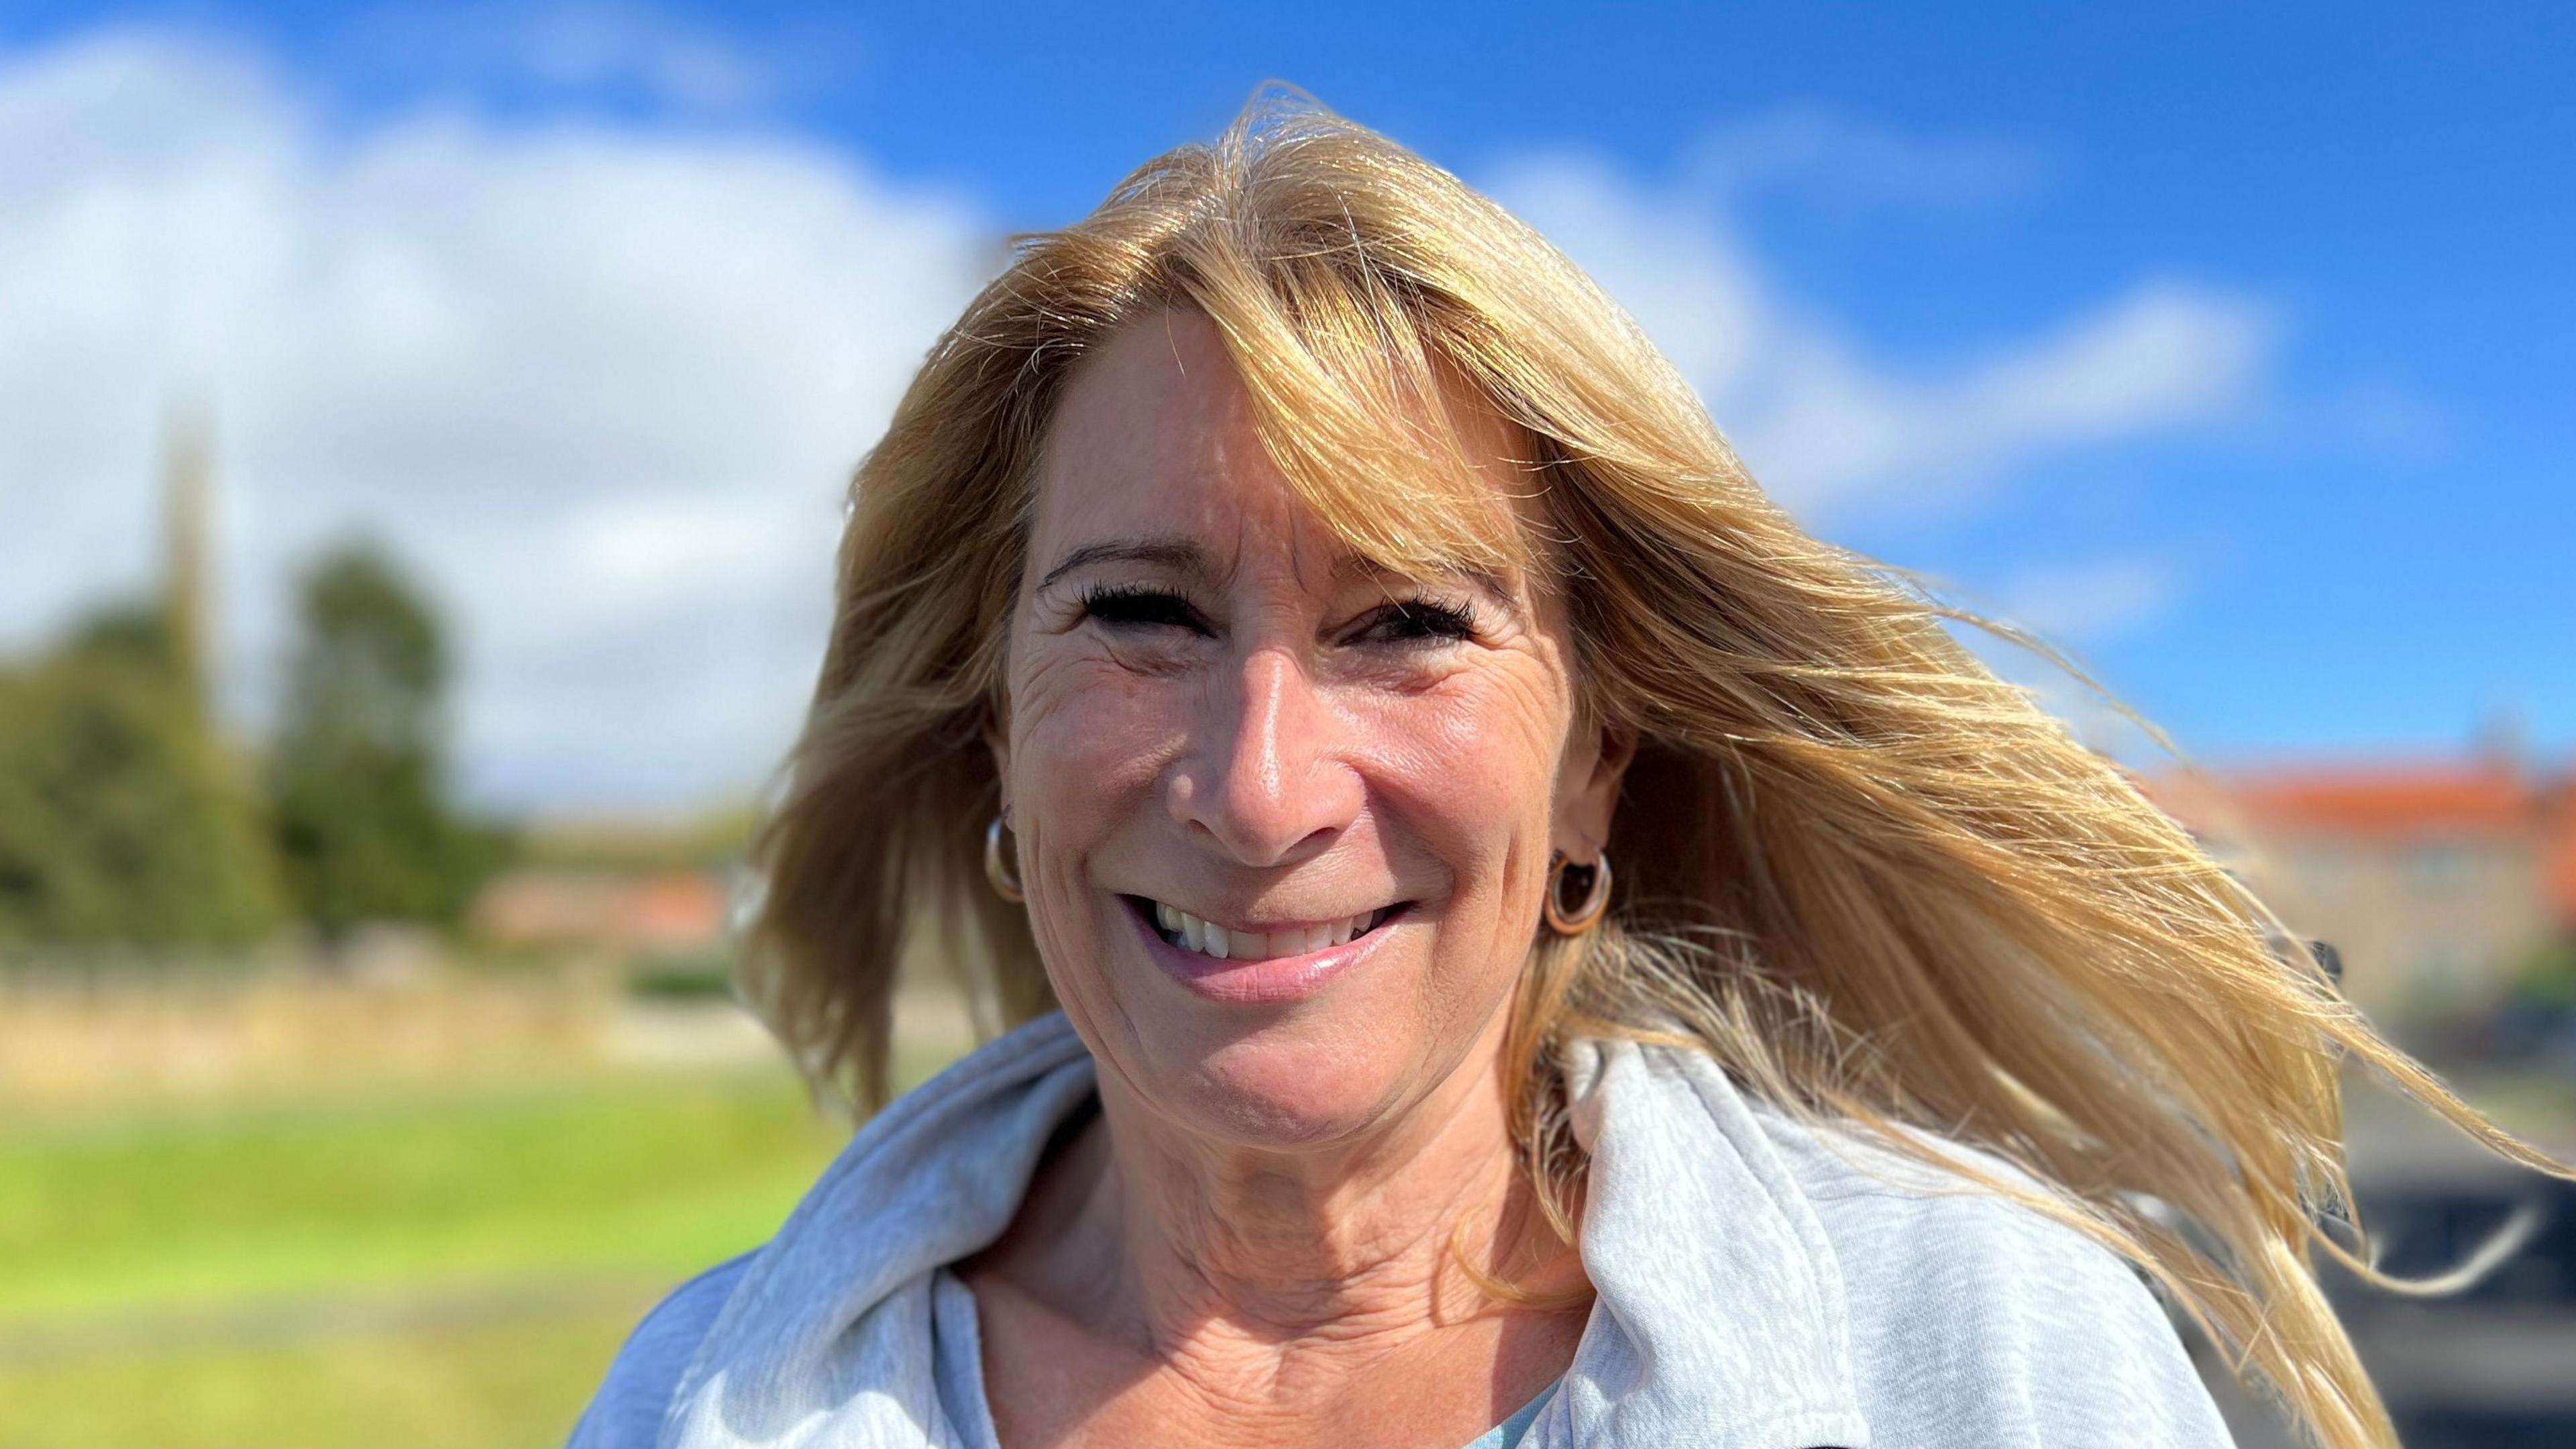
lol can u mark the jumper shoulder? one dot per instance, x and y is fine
(627, 1410)
(1976, 1319)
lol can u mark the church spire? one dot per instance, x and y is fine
(187, 572)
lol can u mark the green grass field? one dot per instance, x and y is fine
(407, 1272)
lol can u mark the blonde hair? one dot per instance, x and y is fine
(1873, 879)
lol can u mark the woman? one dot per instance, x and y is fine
(1547, 951)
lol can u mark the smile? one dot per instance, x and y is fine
(1269, 964)
(1187, 932)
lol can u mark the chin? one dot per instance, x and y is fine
(1285, 1089)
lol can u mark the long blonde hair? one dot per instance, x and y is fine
(1873, 879)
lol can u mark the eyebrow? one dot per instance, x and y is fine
(1172, 553)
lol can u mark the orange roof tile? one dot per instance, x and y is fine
(2387, 801)
(2364, 800)
(2560, 868)
(2390, 800)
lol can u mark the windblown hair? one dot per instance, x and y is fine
(1873, 879)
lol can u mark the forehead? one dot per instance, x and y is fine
(1154, 418)
(1157, 432)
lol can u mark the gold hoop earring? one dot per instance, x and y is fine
(1005, 885)
(1596, 896)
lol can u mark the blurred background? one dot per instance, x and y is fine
(422, 434)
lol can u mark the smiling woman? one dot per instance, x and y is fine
(1277, 602)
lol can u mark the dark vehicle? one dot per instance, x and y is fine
(2491, 1364)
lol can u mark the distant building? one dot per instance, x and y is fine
(661, 913)
(2433, 880)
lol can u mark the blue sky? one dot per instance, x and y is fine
(2232, 349)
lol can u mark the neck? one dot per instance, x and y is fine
(1193, 1245)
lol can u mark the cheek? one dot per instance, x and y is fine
(1478, 754)
(1087, 734)
(1087, 741)
(1464, 780)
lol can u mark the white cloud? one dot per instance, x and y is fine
(1824, 148)
(2091, 601)
(1828, 430)
(602, 387)
(586, 44)
(591, 47)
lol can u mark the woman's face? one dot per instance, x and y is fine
(1283, 819)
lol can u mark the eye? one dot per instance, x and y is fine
(1141, 606)
(1417, 621)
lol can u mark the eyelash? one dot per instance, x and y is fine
(1140, 605)
(1425, 621)
(1419, 620)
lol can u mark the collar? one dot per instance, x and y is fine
(1719, 1321)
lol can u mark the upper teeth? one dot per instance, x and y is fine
(1227, 945)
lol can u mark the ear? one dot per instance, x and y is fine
(1587, 787)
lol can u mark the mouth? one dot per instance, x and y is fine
(1185, 932)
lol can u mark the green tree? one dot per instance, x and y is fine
(123, 821)
(357, 772)
(2546, 974)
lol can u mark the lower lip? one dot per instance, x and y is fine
(1277, 981)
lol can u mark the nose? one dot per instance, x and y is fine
(1271, 786)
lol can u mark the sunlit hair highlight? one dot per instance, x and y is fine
(1877, 882)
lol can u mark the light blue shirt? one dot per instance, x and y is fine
(1507, 1434)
